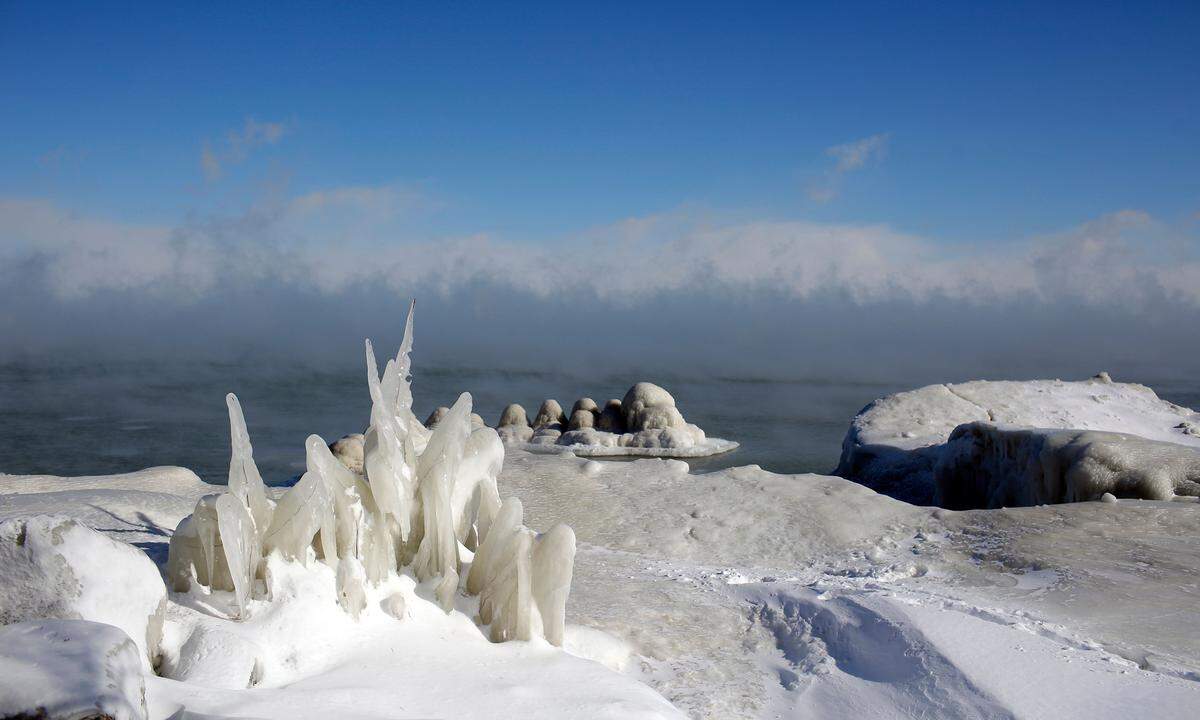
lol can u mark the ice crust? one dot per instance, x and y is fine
(646, 423)
(894, 444)
(429, 498)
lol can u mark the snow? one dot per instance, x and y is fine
(70, 669)
(56, 567)
(894, 443)
(681, 589)
(645, 424)
(695, 574)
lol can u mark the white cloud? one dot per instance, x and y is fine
(236, 145)
(340, 238)
(848, 157)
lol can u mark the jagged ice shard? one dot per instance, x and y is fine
(428, 499)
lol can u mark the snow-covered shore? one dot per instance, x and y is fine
(739, 593)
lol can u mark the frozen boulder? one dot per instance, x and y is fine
(989, 466)
(549, 414)
(514, 414)
(349, 451)
(477, 421)
(70, 670)
(894, 443)
(435, 417)
(585, 403)
(649, 407)
(54, 567)
(581, 419)
(611, 418)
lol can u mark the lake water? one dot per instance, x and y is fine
(77, 418)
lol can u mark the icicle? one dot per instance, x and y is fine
(476, 500)
(204, 520)
(391, 476)
(438, 552)
(505, 603)
(494, 547)
(446, 589)
(239, 542)
(244, 478)
(298, 517)
(553, 565)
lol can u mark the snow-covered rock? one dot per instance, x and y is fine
(70, 670)
(56, 567)
(646, 423)
(991, 466)
(893, 443)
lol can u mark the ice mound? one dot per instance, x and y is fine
(990, 466)
(70, 669)
(427, 499)
(645, 423)
(894, 443)
(55, 567)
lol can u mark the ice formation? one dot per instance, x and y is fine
(990, 466)
(426, 499)
(645, 423)
(894, 443)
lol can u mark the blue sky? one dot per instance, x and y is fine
(771, 172)
(999, 120)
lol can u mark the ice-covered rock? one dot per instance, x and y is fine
(70, 670)
(513, 415)
(549, 415)
(989, 466)
(646, 423)
(55, 567)
(585, 403)
(611, 418)
(349, 451)
(649, 407)
(435, 417)
(581, 420)
(893, 443)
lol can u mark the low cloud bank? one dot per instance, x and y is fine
(310, 276)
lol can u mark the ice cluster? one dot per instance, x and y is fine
(645, 422)
(426, 501)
